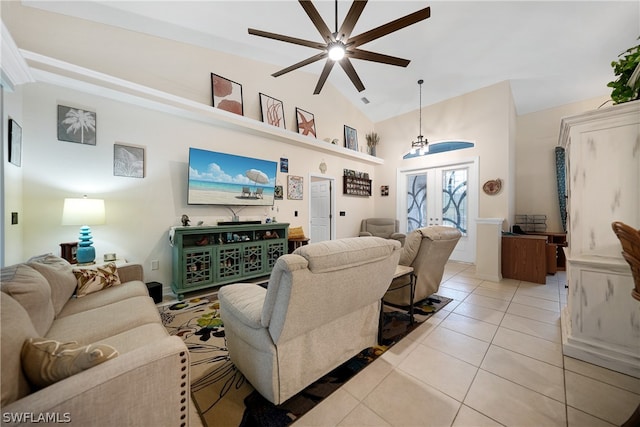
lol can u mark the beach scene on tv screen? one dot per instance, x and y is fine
(226, 179)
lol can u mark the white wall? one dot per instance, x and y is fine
(12, 182)
(140, 211)
(482, 116)
(537, 137)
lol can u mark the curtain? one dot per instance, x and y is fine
(562, 188)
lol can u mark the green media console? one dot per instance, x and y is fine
(209, 256)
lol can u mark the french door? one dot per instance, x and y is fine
(441, 195)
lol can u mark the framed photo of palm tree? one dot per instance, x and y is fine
(128, 161)
(76, 125)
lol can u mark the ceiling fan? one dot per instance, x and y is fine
(339, 46)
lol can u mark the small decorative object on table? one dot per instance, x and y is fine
(68, 251)
(185, 220)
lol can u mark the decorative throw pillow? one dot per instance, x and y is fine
(96, 279)
(296, 233)
(46, 361)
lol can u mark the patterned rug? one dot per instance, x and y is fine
(224, 397)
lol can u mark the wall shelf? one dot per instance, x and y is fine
(48, 70)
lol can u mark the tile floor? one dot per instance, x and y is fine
(491, 357)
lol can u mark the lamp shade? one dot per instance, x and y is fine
(83, 212)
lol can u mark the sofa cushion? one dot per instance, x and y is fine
(102, 322)
(104, 297)
(96, 279)
(31, 290)
(16, 327)
(135, 338)
(46, 361)
(350, 252)
(59, 274)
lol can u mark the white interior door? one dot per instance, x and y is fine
(321, 209)
(441, 195)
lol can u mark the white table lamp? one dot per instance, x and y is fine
(84, 212)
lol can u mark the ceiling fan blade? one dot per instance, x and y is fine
(287, 39)
(323, 76)
(377, 57)
(317, 20)
(350, 20)
(389, 27)
(351, 72)
(307, 61)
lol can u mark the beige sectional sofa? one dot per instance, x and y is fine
(146, 384)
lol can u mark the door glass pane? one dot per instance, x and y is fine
(416, 201)
(454, 199)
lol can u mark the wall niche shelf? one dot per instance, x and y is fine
(49, 70)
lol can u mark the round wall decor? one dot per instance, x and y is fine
(492, 186)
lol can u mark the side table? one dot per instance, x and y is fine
(297, 242)
(401, 271)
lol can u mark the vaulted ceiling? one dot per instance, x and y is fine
(552, 52)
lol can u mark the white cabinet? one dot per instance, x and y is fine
(601, 323)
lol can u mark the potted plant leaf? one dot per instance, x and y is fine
(372, 140)
(627, 86)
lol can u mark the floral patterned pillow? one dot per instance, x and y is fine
(96, 279)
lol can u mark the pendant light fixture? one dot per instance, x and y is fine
(421, 142)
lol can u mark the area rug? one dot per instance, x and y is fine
(223, 396)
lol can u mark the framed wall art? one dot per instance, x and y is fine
(294, 187)
(128, 161)
(272, 111)
(284, 165)
(15, 143)
(278, 192)
(350, 138)
(306, 122)
(227, 94)
(76, 125)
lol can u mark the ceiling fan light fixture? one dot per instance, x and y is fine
(336, 51)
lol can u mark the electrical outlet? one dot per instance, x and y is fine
(14, 218)
(155, 264)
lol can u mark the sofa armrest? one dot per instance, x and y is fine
(148, 386)
(364, 233)
(131, 272)
(399, 237)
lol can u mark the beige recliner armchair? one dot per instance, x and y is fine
(386, 228)
(427, 250)
(321, 307)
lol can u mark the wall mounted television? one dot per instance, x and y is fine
(230, 180)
